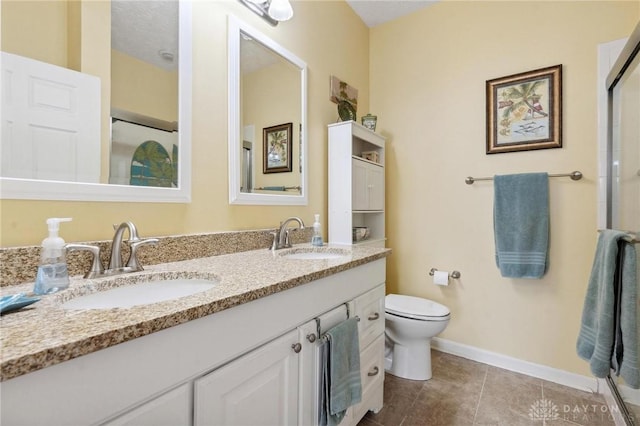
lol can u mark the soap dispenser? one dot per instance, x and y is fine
(52, 271)
(316, 239)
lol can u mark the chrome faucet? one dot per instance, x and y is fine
(115, 262)
(281, 236)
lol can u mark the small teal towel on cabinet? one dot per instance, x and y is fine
(608, 337)
(341, 386)
(521, 224)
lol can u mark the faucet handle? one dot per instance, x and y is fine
(96, 265)
(287, 243)
(274, 243)
(133, 261)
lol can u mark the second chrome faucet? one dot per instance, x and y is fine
(116, 264)
(281, 236)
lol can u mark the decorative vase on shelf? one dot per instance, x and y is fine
(369, 121)
(346, 111)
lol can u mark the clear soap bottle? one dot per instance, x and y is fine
(316, 239)
(52, 271)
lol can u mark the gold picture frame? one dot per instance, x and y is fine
(524, 111)
(277, 148)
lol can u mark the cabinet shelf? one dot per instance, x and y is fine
(361, 203)
(357, 157)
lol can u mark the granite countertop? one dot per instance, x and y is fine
(45, 333)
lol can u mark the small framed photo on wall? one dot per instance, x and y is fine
(524, 111)
(277, 146)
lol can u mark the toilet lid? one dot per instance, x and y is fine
(414, 307)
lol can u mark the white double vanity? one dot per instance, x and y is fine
(243, 353)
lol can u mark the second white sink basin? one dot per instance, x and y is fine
(314, 253)
(311, 255)
(140, 294)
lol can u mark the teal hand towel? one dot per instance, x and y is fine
(341, 371)
(521, 224)
(608, 335)
(625, 361)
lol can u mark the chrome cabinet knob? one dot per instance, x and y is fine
(311, 337)
(297, 347)
(374, 316)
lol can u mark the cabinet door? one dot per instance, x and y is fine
(309, 373)
(260, 388)
(359, 190)
(375, 185)
(367, 186)
(172, 408)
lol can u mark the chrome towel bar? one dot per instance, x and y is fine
(575, 175)
(632, 237)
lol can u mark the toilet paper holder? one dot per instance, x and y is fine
(454, 274)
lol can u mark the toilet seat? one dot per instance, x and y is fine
(415, 308)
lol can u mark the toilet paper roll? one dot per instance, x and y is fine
(441, 277)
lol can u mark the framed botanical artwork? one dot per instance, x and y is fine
(276, 148)
(524, 111)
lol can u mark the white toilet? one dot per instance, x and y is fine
(410, 324)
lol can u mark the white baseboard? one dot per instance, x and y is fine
(577, 381)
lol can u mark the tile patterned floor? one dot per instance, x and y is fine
(469, 393)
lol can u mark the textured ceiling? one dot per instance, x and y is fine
(143, 29)
(375, 12)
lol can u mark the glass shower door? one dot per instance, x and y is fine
(623, 206)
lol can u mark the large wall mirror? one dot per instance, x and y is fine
(96, 100)
(267, 120)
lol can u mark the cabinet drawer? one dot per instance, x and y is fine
(369, 307)
(372, 366)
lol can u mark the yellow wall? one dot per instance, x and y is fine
(327, 35)
(428, 74)
(270, 97)
(41, 39)
(144, 88)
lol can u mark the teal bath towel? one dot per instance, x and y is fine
(521, 224)
(608, 336)
(341, 385)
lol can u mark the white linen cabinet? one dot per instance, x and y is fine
(356, 183)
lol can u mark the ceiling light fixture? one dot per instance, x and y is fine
(272, 11)
(166, 55)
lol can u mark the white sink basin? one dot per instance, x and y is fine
(140, 294)
(315, 254)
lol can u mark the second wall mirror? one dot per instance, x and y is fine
(267, 120)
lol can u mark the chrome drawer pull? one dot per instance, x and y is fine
(374, 372)
(374, 316)
(311, 337)
(297, 347)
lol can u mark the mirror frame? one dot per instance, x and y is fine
(235, 27)
(32, 189)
